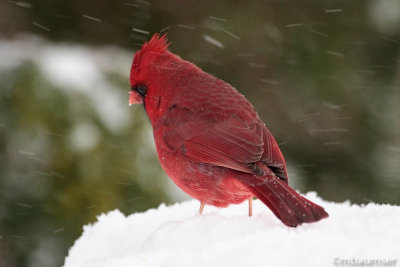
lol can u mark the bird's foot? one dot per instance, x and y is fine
(201, 208)
(250, 206)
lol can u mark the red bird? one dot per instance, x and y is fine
(209, 138)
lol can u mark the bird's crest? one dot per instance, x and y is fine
(156, 46)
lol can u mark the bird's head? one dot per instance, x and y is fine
(143, 78)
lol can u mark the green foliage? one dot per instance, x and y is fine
(51, 188)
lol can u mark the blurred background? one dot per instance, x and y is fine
(324, 76)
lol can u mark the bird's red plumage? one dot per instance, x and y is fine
(209, 138)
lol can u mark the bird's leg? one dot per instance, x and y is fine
(250, 206)
(201, 207)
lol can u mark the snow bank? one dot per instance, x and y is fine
(178, 236)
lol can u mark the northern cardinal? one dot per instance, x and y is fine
(209, 138)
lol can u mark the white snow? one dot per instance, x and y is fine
(213, 41)
(178, 236)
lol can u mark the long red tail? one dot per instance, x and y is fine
(288, 205)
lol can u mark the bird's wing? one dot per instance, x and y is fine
(229, 143)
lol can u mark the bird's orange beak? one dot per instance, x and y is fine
(135, 98)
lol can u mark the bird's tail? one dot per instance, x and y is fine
(288, 205)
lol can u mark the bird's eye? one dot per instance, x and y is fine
(141, 89)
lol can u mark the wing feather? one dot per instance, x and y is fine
(231, 142)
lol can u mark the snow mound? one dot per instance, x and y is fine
(178, 236)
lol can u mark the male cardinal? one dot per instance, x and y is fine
(209, 138)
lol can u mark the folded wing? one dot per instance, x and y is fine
(229, 142)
